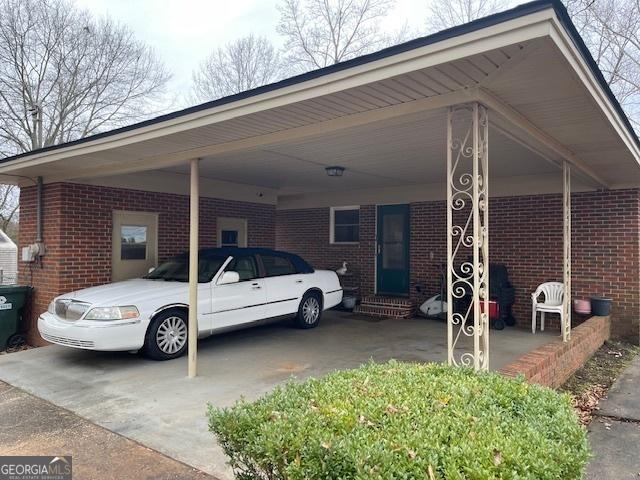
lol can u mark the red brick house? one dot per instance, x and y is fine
(516, 96)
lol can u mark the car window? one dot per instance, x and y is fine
(177, 269)
(245, 266)
(275, 265)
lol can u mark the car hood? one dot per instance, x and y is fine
(130, 292)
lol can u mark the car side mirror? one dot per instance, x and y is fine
(229, 277)
(151, 269)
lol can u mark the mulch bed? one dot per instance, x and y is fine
(592, 381)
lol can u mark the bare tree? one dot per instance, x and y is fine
(323, 32)
(9, 210)
(64, 75)
(611, 30)
(445, 14)
(246, 63)
(69, 74)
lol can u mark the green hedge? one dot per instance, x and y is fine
(404, 421)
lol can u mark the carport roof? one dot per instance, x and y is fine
(519, 11)
(164, 141)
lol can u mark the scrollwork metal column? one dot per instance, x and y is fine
(468, 236)
(566, 204)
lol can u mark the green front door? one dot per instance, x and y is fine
(392, 259)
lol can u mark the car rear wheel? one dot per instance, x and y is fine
(167, 336)
(309, 311)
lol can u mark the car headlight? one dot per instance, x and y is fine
(52, 307)
(112, 313)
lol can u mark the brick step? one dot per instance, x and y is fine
(387, 302)
(396, 311)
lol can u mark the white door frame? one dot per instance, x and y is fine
(152, 218)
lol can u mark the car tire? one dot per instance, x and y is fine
(498, 324)
(167, 336)
(309, 311)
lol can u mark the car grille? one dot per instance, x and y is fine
(70, 310)
(71, 342)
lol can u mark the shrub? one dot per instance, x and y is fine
(409, 421)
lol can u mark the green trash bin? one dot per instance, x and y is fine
(13, 298)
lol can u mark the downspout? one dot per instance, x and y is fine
(39, 211)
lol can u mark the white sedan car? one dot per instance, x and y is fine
(237, 287)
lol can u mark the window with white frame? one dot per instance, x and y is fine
(345, 225)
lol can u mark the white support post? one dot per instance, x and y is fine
(194, 221)
(566, 207)
(468, 236)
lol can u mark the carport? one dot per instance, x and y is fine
(506, 106)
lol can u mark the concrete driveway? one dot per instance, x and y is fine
(155, 404)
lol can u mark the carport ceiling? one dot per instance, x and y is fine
(382, 117)
(403, 151)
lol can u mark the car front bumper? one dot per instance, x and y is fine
(105, 336)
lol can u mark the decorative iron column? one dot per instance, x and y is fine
(566, 204)
(468, 236)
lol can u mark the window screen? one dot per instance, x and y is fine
(133, 242)
(346, 225)
(275, 266)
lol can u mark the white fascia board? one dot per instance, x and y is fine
(503, 34)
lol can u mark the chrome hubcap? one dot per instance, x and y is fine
(172, 335)
(310, 310)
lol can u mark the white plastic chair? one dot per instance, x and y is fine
(553, 303)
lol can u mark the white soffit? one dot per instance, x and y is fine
(524, 62)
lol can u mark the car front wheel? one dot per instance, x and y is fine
(167, 336)
(309, 311)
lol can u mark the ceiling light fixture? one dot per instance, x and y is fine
(334, 171)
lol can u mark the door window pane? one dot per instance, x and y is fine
(229, 238)
(275, 266)
(346, 225)
(393, 254)
(133, 242)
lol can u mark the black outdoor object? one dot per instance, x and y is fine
(501, 290)
(13, 298)
(601, 306)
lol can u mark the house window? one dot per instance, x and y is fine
(229, 238)
(345, 225)
(133, 242)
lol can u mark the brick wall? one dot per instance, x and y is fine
(525, 235)
(306, 232)
(78, 229)
(552, 364)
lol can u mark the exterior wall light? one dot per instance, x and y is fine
(335, 171)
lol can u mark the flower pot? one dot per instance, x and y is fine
(601, 306)
(582, 306)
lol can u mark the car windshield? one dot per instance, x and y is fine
(177, 269)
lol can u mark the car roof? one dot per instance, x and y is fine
(301, 265)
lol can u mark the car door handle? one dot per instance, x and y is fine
(298, 281)
(256, 286)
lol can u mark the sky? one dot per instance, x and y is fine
(184, 32)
